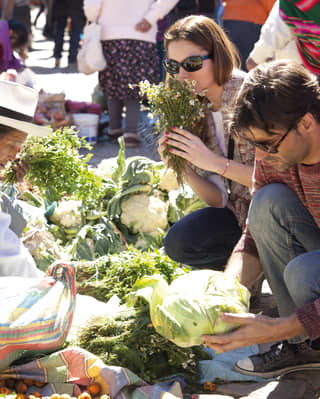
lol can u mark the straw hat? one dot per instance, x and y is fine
(18, 104)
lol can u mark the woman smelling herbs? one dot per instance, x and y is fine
(218, 169)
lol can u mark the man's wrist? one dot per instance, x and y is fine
(289, 327)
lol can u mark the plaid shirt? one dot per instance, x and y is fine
(305, 182)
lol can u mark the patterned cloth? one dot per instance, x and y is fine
(244, 153)
(128, 62)
(303, 18)
(36, 318)
(72, 369)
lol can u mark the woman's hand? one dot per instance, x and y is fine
(162, 146)
(143, 26)
(190, 147)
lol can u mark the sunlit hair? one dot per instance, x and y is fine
(205, 33)
(276, 95)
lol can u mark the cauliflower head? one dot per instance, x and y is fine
(168, 180)
(67, 213)
(106, 168)
(144, 214)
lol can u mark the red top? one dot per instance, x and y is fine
(255, 11)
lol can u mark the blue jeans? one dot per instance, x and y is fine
(204, 238)
(76, 29)
(288, 243)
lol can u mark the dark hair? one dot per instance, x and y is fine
(20, 35)
(204, 32)
(276, 95)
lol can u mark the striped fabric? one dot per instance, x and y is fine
(36, 318)
(303, 18)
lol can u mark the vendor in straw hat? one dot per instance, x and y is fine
(17, 107)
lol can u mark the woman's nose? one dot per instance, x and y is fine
(183, 74)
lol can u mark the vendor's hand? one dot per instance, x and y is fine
(254, 329)
(143, 26)
(21, 170)
(190, 147)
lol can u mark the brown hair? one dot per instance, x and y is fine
(276, 95)
(204, 32)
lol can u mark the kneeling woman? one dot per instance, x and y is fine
(218, 169)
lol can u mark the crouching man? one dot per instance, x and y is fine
(278, 111)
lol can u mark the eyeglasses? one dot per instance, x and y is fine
(269, 148)
(190, 64)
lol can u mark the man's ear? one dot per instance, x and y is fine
(307, 122)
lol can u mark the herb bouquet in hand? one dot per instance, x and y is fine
(176, 104)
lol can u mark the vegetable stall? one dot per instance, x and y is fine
(107, 223)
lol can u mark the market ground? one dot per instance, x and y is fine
(78, 87)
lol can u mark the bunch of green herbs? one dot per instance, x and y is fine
(175, 104)
(116, 274)
(56, 166)
(129, 340)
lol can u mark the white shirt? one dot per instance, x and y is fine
(276, 40)
(15, 259)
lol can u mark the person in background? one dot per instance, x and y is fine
(242, 21)
(292, 31)
(61, 11)
(129, 47)
(278, 111)
(13, 37)
(218, 170)
(17, 106)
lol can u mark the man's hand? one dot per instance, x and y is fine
(254, 329)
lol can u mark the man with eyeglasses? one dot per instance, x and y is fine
(278, 111)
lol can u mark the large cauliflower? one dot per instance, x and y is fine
(168, 180)
(144, 214)
(67, 213)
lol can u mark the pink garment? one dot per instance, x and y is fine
(7, 59)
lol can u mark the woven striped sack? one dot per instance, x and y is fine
(35, 314)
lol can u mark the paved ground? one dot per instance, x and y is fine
(79, 87)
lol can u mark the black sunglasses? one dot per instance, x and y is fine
(189, 64)
(269, 148)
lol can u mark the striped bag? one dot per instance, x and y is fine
(35, 314)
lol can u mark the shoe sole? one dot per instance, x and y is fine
(278, 373)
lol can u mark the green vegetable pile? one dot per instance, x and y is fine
(116, 274)
(129, 340)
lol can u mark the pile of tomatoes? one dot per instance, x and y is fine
(12, 386)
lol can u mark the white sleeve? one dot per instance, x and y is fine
(91, 9)
(159, 9)
(15, 259)
(276, 40)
